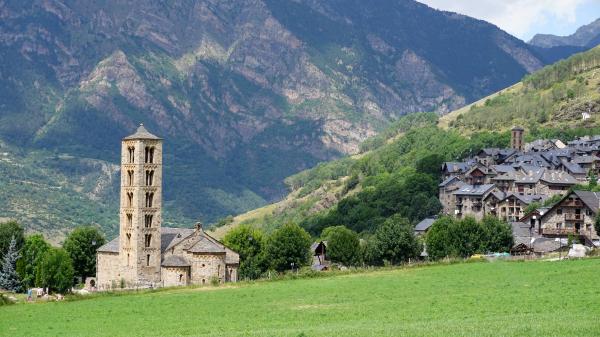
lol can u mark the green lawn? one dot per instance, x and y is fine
(485, 299)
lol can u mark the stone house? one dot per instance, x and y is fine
(574, 214)
(469, 200)
(145, 253)
(446, 196)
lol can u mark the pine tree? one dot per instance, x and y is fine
(9, 279)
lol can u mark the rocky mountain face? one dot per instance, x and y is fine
(245, 92)
(586, 36)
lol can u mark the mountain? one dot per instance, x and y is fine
(585, 36)
(245, 93)
(355, 190)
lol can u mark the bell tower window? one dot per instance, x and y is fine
(128, 240)
(149, 197)
(130, 177)
(148, 240)
(148, 260)
(129, 219)
(129, 199)
(131, 151)
(148, 220)
(149, 177)
(149, 155)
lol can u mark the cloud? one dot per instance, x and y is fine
(518, 17)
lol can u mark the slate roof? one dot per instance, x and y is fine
(110, 247)
(503, 168)
(175, 261)
(424, 224)
(142, 133)
(558, 178)
(545, 245)
(521, 233)
(573, 168)
(590, 199)
(456, 167)
(448, 181)
(584, 159)
(474, 190)
(204, 245)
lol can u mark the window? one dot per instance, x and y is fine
(128, 235)
(129, 219)
(149, 177)
(588, 212)
(148, 220)
(147, 240)
(558, 224)
(149, 197)
(130, 199)
(130, 177)
(148, 260)
(128, 260)
(559, 211)
(180, 277)
(131, 150)
(149, 155)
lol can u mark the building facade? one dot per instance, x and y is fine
(145, 253)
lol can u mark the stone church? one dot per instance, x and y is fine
(145, 253)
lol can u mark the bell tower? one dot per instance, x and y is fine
(140, 207)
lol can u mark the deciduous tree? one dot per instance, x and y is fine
(81, 244)
(32, 253)
(56, 270)
(343, 245)
(288, 245)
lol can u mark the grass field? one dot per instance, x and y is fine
(483, 299)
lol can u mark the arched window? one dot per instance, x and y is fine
(129, 219)
(130, 199)
(131, 150)
(127, 259)
(148, 260)
(149, 197)
(149, 177)
(130, 177)
(180, 277)
(149, 155)
(148, 220)
(148, 240)
(128, 235)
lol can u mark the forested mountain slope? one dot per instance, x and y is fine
(245, 92)
(398, 170)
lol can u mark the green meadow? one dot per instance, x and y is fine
(538, 298)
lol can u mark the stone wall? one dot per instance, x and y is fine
(107, 270)
(174, 276)
(205, 267)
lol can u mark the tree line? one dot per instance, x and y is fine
(29, 261)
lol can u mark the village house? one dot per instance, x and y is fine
(469, 200)
(146, 254)
(575, 214)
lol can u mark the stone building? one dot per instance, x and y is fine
(145, 253)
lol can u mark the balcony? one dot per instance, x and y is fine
(573, 217)
(559, 231)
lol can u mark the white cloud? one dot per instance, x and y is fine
(517, 17)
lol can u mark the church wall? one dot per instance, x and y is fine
(174, 276)
(108, 270)
(205, 267)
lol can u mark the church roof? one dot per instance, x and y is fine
(110, 247)
(175, 261)
(142, 133)
(205, 245)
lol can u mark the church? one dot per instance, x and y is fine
(145, 254)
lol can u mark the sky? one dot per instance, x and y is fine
(525, 18)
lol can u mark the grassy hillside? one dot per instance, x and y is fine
(500, 299)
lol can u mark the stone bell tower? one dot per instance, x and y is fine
(140, 207)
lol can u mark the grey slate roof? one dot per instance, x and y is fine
(573, 168)
(456, 167)
(424, 224)
(110, 247)
(204, 245)
(474, 190)
(142, 133)
(448, 181)
(558, 177)
(591, 199)
(175, 261)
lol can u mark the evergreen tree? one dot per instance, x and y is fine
(9, 279)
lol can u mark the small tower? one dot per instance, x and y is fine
(140, 207)
(516, 138)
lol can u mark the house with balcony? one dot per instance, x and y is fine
(469, 200)
(575, 214)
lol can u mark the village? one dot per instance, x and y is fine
(533, 186)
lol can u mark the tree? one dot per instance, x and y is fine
(498, 235)
(288, 244)
(249, 243)
(467, 237)
(81, 244)
(32, 253)
(437, 239)
(56, 270)
(8, 231)
(430, 164)
(395, 241)
(9, 279)
(343, 245)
